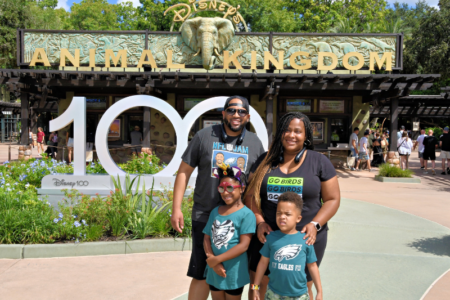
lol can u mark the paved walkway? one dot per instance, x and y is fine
(388, 241)
(4, 149)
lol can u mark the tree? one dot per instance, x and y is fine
(93, 15)
(13, 15)
(428, 52)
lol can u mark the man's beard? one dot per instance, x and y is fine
(226, 122)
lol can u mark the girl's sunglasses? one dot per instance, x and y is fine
(241, 112)
(228, 187)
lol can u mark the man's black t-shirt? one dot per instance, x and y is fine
(445, 139)
(206, 151)
(305, 181)
(430, 143)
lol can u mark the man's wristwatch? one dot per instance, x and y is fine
(317, 225)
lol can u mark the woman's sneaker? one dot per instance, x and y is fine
(443, 173)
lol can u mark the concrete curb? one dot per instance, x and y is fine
(94, 248)
(397, 179)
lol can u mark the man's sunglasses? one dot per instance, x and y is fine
(228, 187)
(241, 112)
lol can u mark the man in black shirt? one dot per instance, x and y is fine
(429, 153)
(444, 143)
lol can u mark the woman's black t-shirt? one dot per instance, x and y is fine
(305, 181)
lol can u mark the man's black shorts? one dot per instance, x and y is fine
(197, 264)
(255, 245)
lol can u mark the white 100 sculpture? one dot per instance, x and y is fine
(76, 113)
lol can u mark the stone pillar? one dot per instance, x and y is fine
(24, 113)
(394, 124)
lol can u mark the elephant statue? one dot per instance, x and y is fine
(208, 36)
(320, 46)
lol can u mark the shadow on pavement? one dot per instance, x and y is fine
(437, 246)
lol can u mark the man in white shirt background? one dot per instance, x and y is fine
(419, 142)
(353, 144)
(363, 151)
(400, 132)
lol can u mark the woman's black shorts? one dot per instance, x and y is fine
(255, 245)
(235, 292)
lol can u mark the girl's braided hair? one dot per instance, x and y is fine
(272, 158)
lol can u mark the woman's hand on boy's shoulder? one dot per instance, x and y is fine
(220, 270)
(263, 228)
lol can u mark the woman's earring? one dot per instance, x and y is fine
(281, 156)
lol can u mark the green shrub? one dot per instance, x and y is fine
(386, 170)
(437, 132)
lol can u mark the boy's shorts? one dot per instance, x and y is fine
(420, 154)
(271, 295)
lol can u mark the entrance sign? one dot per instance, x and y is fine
(76, 113)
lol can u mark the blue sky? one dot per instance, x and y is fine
(66, 4)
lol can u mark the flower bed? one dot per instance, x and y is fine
(124, 214)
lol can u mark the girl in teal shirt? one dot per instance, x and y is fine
(227, 236)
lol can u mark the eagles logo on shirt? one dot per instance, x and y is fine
(222, 233)
(287, 252)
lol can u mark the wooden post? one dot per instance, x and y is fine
(24, 113)
(146, 131)
(394, 124)
(269, 117)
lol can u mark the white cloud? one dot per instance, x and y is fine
(136, 3)
(63, 4)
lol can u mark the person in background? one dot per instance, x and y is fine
(90, 140)
(404, 149)
(353, 144)
(40, 140)
(30, 138)
(69, 143)
(378, 157)
(370, 143)
(444, 143)
(384, 146)
(136, 140)
(52, 141)
(419, 142)
(429, 153)
(400, 132)
(363, 151)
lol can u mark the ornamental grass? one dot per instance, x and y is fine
(386, 170)
(26, 218)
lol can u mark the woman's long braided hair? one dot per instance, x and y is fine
(272, 158)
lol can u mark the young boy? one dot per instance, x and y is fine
(286, 254)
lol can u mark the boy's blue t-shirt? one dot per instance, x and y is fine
(288, 255)
(225, 232)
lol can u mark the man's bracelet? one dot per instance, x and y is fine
(254, 287)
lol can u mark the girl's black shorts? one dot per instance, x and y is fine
(235, 292)
(255, 246)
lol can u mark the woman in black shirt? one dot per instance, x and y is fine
(291, 165)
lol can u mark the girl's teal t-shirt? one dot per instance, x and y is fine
(225, 232)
